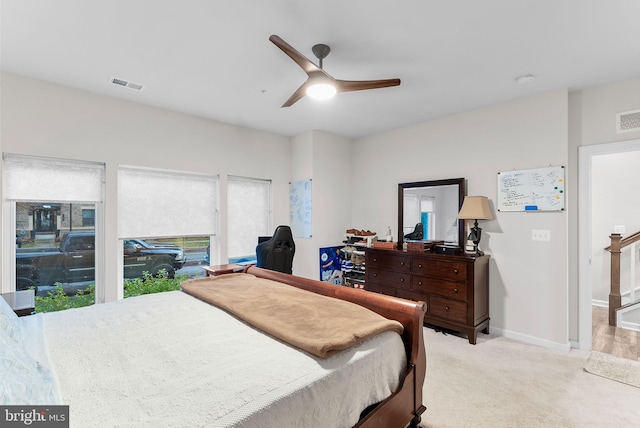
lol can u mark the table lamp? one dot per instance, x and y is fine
(475, 208)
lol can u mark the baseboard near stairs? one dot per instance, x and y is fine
(622, 324)
(629, 325)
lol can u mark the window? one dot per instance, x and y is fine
(166, 221)
(426, 215)
(88, 217)
(176, 258)
(53, 247)
(249, 216)
(419, 209)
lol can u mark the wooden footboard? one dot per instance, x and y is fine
(405, 406)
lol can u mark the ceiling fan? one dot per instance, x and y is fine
(320, 84)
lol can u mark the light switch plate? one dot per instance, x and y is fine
(540, 235)
(619, 229)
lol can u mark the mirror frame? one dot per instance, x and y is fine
(462, 192)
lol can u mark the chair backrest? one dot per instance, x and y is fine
(417, 234)
(277, 253)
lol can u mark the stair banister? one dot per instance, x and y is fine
(617, 244)
(615, 299)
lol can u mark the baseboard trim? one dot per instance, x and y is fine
(630, 325)
(531, 340)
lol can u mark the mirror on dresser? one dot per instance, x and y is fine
(434, 204)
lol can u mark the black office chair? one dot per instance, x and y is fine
(417, 234)
(277, 253)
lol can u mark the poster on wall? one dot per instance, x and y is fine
(331, 265)
(532, 190)
(300, 208)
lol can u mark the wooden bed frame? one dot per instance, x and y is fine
(404, 407)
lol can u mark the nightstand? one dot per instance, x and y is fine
(221, 269)
(22, 302)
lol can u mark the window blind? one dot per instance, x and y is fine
(30, 178)
(161, 203)
(411, 209)
(249, 212)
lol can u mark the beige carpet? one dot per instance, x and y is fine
(614, 368)
(503, 383)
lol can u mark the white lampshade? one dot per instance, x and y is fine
(475, 208)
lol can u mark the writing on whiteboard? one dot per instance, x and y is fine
(540, 189)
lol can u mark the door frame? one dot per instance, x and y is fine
(585, 289)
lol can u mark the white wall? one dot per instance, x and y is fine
(43, 119)
(325, 159)
(528, 280)
(529, 284)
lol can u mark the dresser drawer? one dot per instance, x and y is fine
(452, 289)
(440, 269)
(412, 295)
(378, 288)
(451, 310)
(388, 278)
(390, 261)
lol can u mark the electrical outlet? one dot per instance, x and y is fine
(619, 229)
(540, 235)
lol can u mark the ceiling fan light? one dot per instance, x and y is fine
(321, 91)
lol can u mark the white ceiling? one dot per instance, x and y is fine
(213, 58)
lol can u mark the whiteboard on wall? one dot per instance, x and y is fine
(300, 208)
(532, 190)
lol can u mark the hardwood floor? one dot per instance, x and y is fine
(618, 342)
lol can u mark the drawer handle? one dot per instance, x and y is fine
(419, 282)
(455, 290)
(455, 271)
(375, 274)
(419, 266)
(375, 259)
(446, 308)
(401, 263)
(401, 279)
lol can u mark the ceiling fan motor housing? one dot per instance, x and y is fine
(321, 51)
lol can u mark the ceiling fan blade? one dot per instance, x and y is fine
(359, 85)
(297, 95)
(304, 62)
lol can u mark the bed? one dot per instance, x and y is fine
(174, 359)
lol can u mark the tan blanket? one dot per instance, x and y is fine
(317, 324)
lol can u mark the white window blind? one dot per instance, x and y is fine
(411, 209)
(160, 203)
(426, 204)
(249, 210)
(28, 178)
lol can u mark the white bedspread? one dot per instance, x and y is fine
(170, 360)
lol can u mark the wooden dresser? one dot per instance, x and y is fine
(455, 288)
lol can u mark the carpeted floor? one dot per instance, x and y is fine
(504, 383)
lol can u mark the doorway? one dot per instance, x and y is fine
(586, 155)
(45, 218)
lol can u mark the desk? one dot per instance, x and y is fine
(221, 269)
(22, 302)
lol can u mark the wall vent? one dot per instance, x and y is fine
(126, 84)
(628, 121)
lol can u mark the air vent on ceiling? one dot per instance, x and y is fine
(126, 84)
(628, 121)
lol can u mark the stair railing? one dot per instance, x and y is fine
(618, 244)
